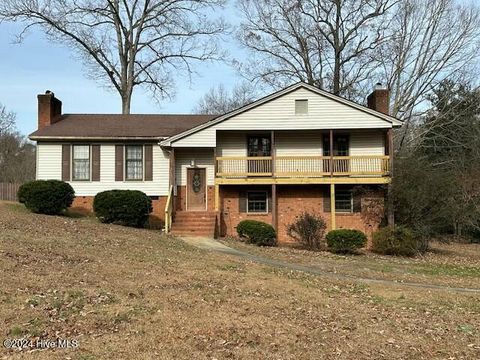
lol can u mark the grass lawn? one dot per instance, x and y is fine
(135, 294)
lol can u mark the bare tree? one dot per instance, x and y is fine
(127, 43)
(327, 43)
(7, 120)
(430, 40)
(17, 155)
(219, 100)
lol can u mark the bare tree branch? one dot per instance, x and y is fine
(128, 43)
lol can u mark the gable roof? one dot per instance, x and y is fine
(390, 119)
(118, 126)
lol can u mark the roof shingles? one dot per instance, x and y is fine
(120, 126)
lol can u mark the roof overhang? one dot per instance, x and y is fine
(96, 138)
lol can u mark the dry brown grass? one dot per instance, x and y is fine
(454, 264)
(134, 294)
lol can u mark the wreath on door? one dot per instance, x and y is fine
(197, 182)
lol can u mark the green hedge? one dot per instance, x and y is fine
(257, 232)
(123, 207)
(399, 241)
(345, 240)
(50, 197)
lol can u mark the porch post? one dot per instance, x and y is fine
(390, 210)
(274, 208)
(332, 206)
(273, 151)
(217, 197)
(172, 179)
(331, 153)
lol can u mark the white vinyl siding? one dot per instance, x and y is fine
(203, 159)
(49, 166)
(367, 143)
(49, 161)
(279, 114)
(304, 143)
(232, 144)
(298, 143)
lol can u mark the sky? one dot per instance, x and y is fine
(36, 65)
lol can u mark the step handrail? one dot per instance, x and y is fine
(169, 210)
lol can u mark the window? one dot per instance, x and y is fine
(81, 162)
(301, 107)
(257, 202)
(341, 145)
(259, 146)
(343, 201)
(134, 162)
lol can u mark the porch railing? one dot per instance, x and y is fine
(303, 166)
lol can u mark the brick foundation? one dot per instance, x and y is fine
(84, 205)
(292, 200)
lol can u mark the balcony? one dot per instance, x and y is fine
(302, 167)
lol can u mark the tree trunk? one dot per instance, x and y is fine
(126, 100)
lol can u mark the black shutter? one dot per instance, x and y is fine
(269, 200)
(326, 200)
(119, 162)
(148, 162)
(242, 202)
(66, 159)
(357, 202)
(95, 162)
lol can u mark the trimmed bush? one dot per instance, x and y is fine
(123, 207)
(399, 241)
(308, 229)
(50, 197)
(345, 241)
(257, 232)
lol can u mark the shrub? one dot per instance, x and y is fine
(123, 207)
(257, 232)
(345, 240)
(49, 197)
(399, 241)
(308, 229)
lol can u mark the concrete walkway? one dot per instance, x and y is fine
(210, 244)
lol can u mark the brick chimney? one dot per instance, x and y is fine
(379, 99)
(49, 109)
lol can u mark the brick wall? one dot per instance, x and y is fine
(292, 200)
(84, 205)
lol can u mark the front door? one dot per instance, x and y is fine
(196, 194)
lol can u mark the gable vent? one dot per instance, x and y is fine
(301, 107)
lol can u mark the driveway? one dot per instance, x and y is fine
(210, 244)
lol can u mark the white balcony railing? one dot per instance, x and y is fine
(302, 166)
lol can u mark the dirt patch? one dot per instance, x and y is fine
(135, 294)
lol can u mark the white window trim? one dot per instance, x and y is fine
(266, 202)
(72, 151)
(125, 163)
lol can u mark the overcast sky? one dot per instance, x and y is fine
(35, 65)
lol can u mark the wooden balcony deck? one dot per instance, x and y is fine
(301, 168)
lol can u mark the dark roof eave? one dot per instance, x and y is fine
(151, 138)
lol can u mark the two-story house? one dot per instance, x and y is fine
(299, 149)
